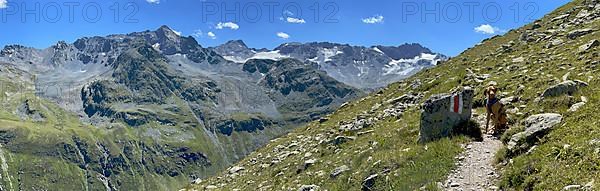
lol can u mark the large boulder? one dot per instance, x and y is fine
(311, 187)
(369, 182)
(565, 88)
(339, 170)
(587, 46)
(443, 112)
(576, 107)
(536, 126)
(579, 32)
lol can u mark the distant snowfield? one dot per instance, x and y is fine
(325, 55)
(377, 50)
(271, 55)
(407, 66)
(362, 68)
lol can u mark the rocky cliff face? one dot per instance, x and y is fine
(302, 89)
(404, 51)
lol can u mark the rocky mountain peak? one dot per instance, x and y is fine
(234, 45)
(19, 53)
(169, 42)
(60, 45)
(236, 49)
(166, 29)
(238, 43)
(11, 49)
(288, 47)
(94, 44)
(404, 51)
(164, 32)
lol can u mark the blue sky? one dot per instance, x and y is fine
(268, 23)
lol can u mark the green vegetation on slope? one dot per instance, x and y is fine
(43, 147)
(388, 147)
(524, 62)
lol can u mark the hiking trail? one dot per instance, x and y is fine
(475, 167)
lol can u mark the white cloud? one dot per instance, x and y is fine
(373, 20)
(211, 35)
(230, 25)
(295, 20)
(198, 33)
(3, 4)
(149, 1)
(283, 35)
(487, 29)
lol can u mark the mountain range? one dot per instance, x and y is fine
(362, 67)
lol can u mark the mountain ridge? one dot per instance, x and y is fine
(145, 108)
(359, 66)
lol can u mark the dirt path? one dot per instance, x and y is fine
(475, 167)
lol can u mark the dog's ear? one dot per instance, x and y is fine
(485, 92)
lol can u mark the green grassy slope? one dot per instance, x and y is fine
(523, 67)
(61, 153)
(390, 147)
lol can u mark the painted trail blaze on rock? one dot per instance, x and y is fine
(442, 112)
(456, 103)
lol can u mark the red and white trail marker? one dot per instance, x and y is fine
(456, 103)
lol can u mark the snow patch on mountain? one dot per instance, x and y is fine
(358, 66)
(363, 70)
(407, 66)
(325, 55)
(235, 59)
(270, 55)
(328, 53)
(377, 50)
(156, 46)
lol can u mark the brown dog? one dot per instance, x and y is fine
(495, 110)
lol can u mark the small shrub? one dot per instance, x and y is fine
(470, 129)
(501, 155)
